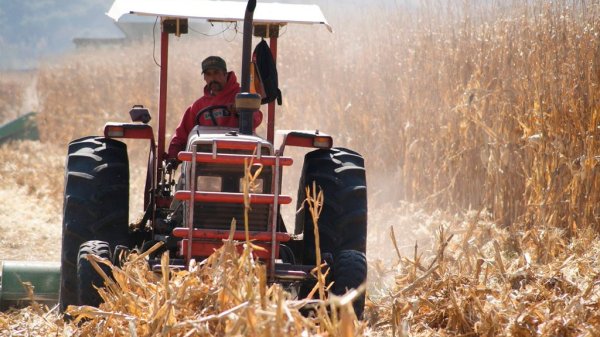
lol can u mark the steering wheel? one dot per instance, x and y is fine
(209, 109)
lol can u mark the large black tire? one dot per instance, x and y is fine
(88, 279)
(349, 272)
(95, 205)
(340, 173)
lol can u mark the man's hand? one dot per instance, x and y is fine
(172, 164)
(231, 108)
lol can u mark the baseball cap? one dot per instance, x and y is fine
(213, 62)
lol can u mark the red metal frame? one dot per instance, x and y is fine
(206, 248)
(234, 159)
(204, 245)
(233, 198)
(235, 144)
(219, 234)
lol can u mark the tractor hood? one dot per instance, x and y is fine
(221, 11)
(210, 134)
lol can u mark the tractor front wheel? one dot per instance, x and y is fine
(88, 278)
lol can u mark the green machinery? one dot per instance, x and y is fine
(43, 278)
(23, 127)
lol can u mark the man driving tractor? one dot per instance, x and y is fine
(217, 104)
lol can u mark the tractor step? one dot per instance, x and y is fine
(285, 272)
(291, 275)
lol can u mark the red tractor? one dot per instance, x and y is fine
(96, 200)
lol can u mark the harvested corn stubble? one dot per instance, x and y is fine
(225, 295)
(489, 288)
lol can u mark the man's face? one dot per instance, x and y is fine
(215, 79)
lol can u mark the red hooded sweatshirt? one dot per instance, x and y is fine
(222, 117)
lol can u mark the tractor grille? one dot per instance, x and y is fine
(219, 216)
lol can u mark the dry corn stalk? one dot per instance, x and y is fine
(520, 294)
(314, 202)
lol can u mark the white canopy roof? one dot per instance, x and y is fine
(220, 11)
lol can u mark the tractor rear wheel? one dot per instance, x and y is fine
(340, 174)
(95, 205)
(88, 278)
(349, 272)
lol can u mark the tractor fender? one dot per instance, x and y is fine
(302, 138)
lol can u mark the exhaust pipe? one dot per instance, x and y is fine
(247, 44)
(245, 102)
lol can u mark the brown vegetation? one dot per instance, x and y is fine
(483, 281)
